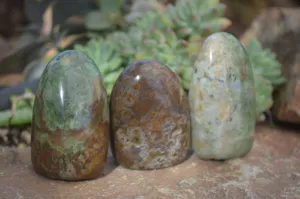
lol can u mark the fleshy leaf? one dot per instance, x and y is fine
(97, 20)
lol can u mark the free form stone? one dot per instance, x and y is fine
(222, 99)
(150, 117)
(70, 128)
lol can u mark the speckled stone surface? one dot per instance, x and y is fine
(222, 99)
(70, 131)
(270, 171)
(150, 117)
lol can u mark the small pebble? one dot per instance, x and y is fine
(15, 136)
(140, 197)
(3, 136)
(187, 182)
(25, 137)
(21, 146)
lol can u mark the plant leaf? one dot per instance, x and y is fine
(97, 20)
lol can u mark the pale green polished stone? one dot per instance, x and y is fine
(222, 100)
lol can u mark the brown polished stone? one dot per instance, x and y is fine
(150, 117)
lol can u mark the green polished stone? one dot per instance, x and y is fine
(70, 130)
(222, 99)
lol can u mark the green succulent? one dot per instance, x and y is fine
(264, 62)
(172, 37)
(187, 18)
(164, 47)
(21, 111)
(107, 57)
(129, 42)
(267, 75)
(263, 92)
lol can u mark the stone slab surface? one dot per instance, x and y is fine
(270, 170)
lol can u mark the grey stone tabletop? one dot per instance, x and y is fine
(270, 170)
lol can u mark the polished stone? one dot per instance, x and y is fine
(222, 99)
(70, 129)
(150, 117)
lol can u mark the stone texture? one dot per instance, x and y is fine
(271, 170)
(70, 127)
(279, 30)
(150, 117)
(222, 99)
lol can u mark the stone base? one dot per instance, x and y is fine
(270, 170)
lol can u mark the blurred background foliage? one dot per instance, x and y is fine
(116, 32)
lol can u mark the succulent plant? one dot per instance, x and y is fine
(264, 62)
(21, 111)
(267, 75)
(107, 57)
(173, 37)
(164, 47)
(187, 18)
